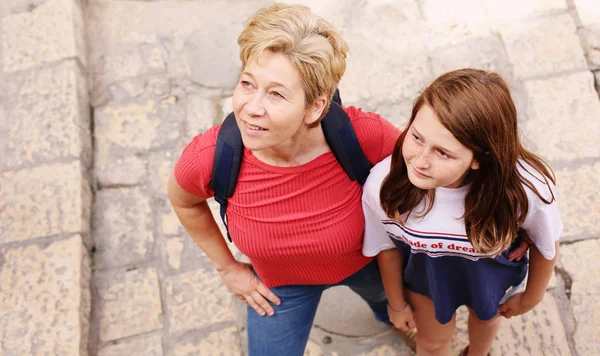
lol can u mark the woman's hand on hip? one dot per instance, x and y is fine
(241, 281)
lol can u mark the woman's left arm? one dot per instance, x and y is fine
(540, 271)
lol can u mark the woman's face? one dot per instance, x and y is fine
(269, 102)
(433, 156)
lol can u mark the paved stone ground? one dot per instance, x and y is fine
(83, 172)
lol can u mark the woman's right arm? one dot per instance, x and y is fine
(195, 216)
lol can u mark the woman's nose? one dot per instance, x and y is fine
(254, 106)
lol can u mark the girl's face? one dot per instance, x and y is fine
(433, 156)
(269, 102)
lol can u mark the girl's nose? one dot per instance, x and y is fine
(422, 159)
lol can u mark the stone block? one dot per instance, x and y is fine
(563, 117)
(450, 23)
(580, 261)
(499, 12)
(128, 303)
(122, 225)
(538, 332)
(482, 53)
(197, 299)
(45, 299)
(123, 171)
(545, 46)
(588, 11)
(221, 342)
(47, 117)
(579, 201)
(42, 201)
(8, 7)
(133, 128)
(201, 115)
(143, 345)
(160, 168)
(54, 31)
(351, 318)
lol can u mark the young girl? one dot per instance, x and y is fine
(442, 214)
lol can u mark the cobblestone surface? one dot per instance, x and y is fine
(160, 72)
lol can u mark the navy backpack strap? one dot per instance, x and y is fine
(344, 144)
(227, 162)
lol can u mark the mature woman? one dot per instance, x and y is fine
(295, 212)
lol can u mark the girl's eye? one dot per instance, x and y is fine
(443, 154)
(416, 137)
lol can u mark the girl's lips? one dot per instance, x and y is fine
(419, 174)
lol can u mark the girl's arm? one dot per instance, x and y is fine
(540, 271)
(390, 267)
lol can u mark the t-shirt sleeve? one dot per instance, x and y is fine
(376, 135)
(543, 223)
(193, 170)
(376, 238)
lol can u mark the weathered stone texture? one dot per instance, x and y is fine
(129, 303)
(589, 14)
(200, 115)
(196, 299)
(538, 332)
(45, 299)
(579, 201)
(563, 117)
(143, 345)
(54, 31)
(588, 11)
(130, 170)
(337, 318)
(8, 7)
(160, 168)
(481, 53)
(453, 22)
(580, 261)
(498, 12)
(47, 117)
(544, 46)
(42, 201)
(125, 130)
(222, 342)
(122, 226)
(180, 40)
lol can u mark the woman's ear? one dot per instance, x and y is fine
(475, 165)
(315, 110)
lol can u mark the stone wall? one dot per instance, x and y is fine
(45, 177)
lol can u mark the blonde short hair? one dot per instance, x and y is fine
(310, 42)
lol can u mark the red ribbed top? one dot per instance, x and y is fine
(298, 225)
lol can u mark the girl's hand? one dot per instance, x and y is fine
(402, 319)
(521, 250)
(241, 281)
(515, 305)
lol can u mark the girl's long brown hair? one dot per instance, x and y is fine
(477, 108)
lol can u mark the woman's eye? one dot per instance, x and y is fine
(277, 94)
(443, 154)
(416, 137)
(246, 84)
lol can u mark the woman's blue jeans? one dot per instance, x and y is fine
(286, 332)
